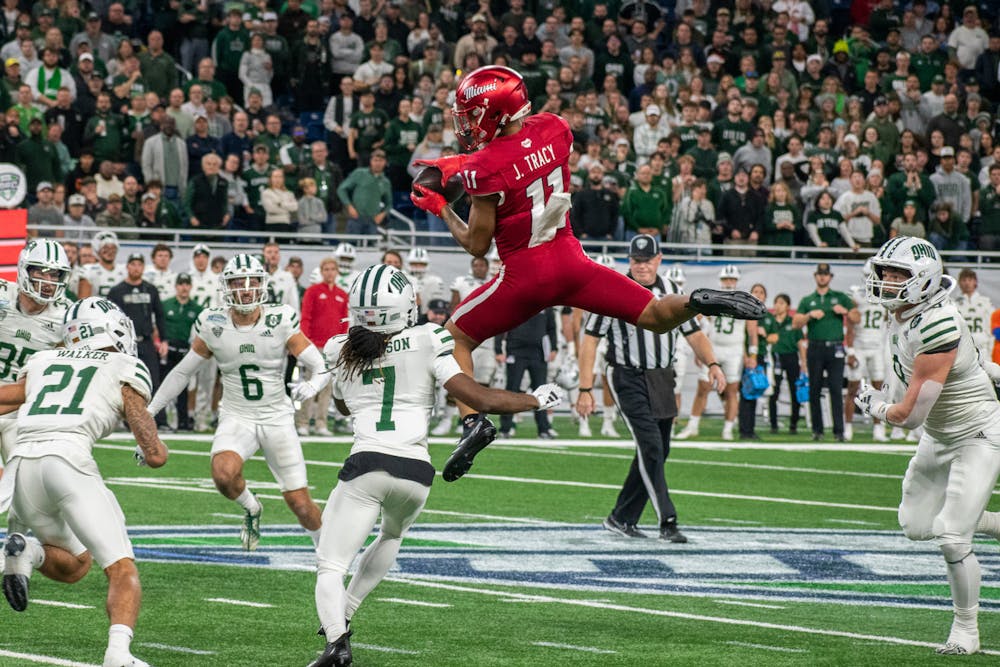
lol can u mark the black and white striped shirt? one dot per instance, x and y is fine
(633, 347)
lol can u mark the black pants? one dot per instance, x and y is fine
(786, 369)
(828, 357)
(175, 352)
(532, 361)
(149, 356)
(646, 479)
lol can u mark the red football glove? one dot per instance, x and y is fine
(427, 200)
(449, 166)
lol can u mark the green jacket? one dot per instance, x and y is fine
(106, 133)
(642, 209)
(228, 48)
(370, 194)
(40, 161)
(159, 72)
(179, 318)
(397, 137)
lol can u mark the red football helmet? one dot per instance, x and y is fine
(488, 99)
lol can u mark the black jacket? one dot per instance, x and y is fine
(142, 305)
(594, 213)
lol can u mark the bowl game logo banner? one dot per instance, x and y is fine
(13, 230)
(13, 186)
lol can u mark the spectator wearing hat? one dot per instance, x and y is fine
(180, 312)
(76, 217)
(952, 186)
(44, 211)
(908, 223)
(165, 159)
(101, 43)
(140, 301)
(324, 315)
(256, 70)
(200, 143)
(38, 157)
(438, 312)
(367, 196)
(478, 40)
(294, 156)
(367, 129)
(207, 196)
(647, 135)
(256, 177)
(115, 216)
(149, 217)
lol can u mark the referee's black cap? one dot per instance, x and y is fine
(643, 247)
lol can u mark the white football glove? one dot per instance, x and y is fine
(303, 390)
(872, 401)
(140, 458)
(548, 396)
(992, 369)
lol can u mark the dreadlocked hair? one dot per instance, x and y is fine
(362, 349)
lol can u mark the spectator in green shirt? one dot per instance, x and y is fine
(645, 209)
(105, 131)
(367, 196)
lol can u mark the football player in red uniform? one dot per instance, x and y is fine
(517, 176)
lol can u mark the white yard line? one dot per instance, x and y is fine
(570, 647)
(241, 603)
(64, 605)
(176, 649)
(44, 659)
(494, 517)
(223, 515)
(884, 639)
(416, 603)
(852, 522)
(765, 647)
(737, 603)
(385, 649)
(740, 522)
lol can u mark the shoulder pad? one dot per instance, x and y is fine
(935, 327)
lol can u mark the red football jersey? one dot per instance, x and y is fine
(525, 168)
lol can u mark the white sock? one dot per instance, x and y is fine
(609, 414)
(965, 578)
(248, 501)
(966, 620)
(729, 425)
(989, 523)
(314, 536)
(120, 638)
(693, 423)
(37, 552)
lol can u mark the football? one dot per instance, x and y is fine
(430, 178)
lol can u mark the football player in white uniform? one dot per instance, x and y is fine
(942, 386)
(70, 398)
(250, 340)
(345, 254)
(977, 311)
(429, 286)
(281, 284)
(159, 275)
(206, 291)
(483, 358)
(98, 278)
(386, 370)
(31, 316)
(866, 357)
(735, 345)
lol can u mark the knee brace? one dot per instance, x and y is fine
(955, 552)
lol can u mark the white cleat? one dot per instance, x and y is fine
(727, 434)
(848, 431)
(878, 433)
(303, 431)
(912, 436)
(323, 432)
(687, 432)
(897, 433)
(959, 644)
(442, 428)
(126, 659)
(608, 430)
(585, 429)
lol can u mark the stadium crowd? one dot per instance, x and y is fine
(826, 123)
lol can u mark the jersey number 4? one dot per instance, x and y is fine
(66, 373)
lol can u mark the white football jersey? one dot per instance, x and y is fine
(252, 361)
(967, 403)
(727, 331)
(72, 399)
(392, 402)
(466, 285)
(101, 279)
(429, 287)
(282, 289)
(164, 282)
(345, 280)
(206, 290)
(977, 310)
(22, 335)
(871, 331)
(73, 283)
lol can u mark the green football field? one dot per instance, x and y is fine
(795, 558)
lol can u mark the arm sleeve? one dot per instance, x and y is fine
(813, 233)
(176, 381)
(312, 360)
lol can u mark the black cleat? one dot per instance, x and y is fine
(477, 437)
(16, 572)
(336, 654)
(626, 529)
(670, 533)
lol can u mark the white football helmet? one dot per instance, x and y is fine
(604, 259)
(383, 300)
(345, 254)
(315, 276)
(418, 256)
(95, 323)
(103, 238)
(676, 274)
(729, 271)
(568, 376)
(236, 283)
(50, 258)
(914, 256)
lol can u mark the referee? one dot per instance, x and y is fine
(641, 380)
(141, 302)
(822, 314)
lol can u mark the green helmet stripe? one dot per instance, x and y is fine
(378, 277)
(364, 285)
